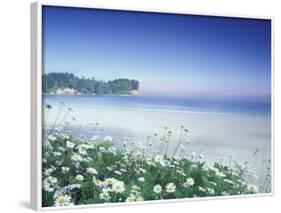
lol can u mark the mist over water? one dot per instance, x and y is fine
(248, 106)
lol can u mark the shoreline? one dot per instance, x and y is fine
(159, 109)
(147, 109)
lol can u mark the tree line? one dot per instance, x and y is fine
(55, 80)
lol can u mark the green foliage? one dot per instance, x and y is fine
(84, 171)
(53, 81)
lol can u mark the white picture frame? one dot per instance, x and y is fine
(36, 102)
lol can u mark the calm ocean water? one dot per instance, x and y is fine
(163, 103)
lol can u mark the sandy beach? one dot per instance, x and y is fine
(218, 136)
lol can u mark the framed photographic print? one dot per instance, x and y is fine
(133, 106)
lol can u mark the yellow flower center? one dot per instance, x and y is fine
(61, 200)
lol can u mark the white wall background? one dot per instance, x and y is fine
(15, 107)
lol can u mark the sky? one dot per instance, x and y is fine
(169, 54)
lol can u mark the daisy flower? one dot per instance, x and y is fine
(141, 179)
(92, 171)
(65, 170)
(52, 138)
(69, 145)
(109, 181)
(104, 195)
(76, 157)
(220, 174)
(211, 191)
(159, 159)
(170, 188)
(118, 186)
(63, 200)
(97, 182)
(118, 172)
(157, 188)
(252, 188)
(79, 177)
(49, 183)
(202, 189)
(189, 182)
(57, 154)
(82, 151)
(131, 198)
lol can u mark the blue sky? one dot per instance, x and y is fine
(179, 55)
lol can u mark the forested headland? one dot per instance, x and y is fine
(68, 83)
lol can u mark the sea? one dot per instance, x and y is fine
(164, 103)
